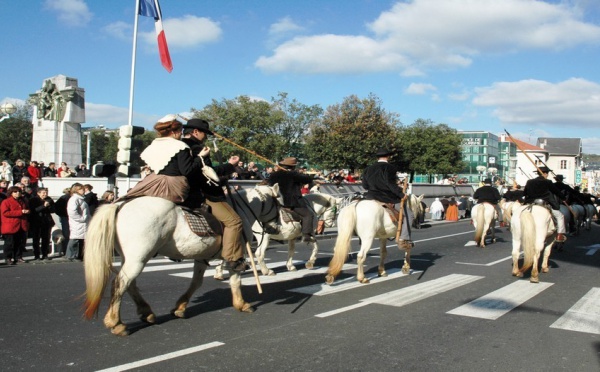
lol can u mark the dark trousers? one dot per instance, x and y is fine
(13, 244)
(64, 225)
(40, 232)
(307, 219)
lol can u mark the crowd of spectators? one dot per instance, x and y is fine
(26, 210)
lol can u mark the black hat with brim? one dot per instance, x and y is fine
(383, 152)
(201, 125)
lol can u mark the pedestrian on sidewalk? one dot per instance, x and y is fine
(13, 218)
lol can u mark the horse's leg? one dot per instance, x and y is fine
(539, 246)
(382, 256)
(197, 279)
(219, 271)
(290, 260)
(143, 309)
(235, 283)
(547, 252)
(493, 227)
(406, 266)
(259, 254)
(516, 252)
(129, 271)
(310, 264)
(361, 257)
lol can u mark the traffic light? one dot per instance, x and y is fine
(129, 147)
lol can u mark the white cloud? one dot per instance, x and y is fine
(570, 103)
(284, 26)
(121, 30)
(71, 12)
(420, 88)
(186, 32)
(419, 35)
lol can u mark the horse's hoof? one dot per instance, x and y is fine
(329, 279)
(271, 273)
(292, 268)
(310, 265)
(534, 280)
(405, 270)
(494, 240)
(150, 318)
(383, 274)
(247, 308)
(545, 269)
(364, 281)
(119, 330)
(179, 313)
(519, 275)
(219, 277)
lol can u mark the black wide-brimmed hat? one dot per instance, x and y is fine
(559, 177)
(201, 125)
(544, 169)
(487, 181)
(383, 152)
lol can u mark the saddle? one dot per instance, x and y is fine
(201, 222)
(288, 215)
(392, 212)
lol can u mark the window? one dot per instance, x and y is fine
(563, 164)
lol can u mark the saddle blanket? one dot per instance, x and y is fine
(202, 223)
(288, 216)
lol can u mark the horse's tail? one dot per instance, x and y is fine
(346, 226)
(479, 230)
(528, 235)
(99, 246)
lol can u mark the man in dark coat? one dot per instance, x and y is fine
(41, 222)
(542, 188)
(290, 184)
(489, 194)
(202, 190)
(381, 182)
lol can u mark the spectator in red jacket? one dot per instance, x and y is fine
(35, 175)
(13, 215)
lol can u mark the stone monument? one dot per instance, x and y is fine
(58, 111)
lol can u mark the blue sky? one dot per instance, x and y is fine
(528, 66)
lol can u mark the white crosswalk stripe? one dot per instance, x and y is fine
(495, 304)
(584, 316)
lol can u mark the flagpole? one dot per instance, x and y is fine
(131, 84)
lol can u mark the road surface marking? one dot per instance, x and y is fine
(584, 316)
(161, 358)
(409, 295)
(487, 264)
(495, 304)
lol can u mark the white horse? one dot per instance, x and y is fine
(370, 220)
(590, 212)
(322, 205)
(533, 230)
(415, 205)
(483, 217)
(578, 216)
(139, 230)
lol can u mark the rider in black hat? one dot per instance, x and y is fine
(381, 182)
(489, 194)
(542, 188)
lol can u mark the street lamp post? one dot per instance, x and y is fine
(7, 109)
(481, 169)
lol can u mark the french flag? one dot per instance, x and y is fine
(151, 8)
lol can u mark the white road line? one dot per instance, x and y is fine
(409, 295)
(584, 316)
(263, 279)
(487, 264)
(161, 358)
(495, 304)
(323, 289)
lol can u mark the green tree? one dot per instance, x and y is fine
(351, 132)
(297, 119)
(16, 134)
(427, 148)
(249, 123)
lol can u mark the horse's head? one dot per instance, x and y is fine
(269, 198)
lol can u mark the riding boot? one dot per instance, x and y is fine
(561, 238)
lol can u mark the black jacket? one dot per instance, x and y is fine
(290, 183)
(542, 188)
(380, 181)
(487, 194)
(200, 188)
(40, 214)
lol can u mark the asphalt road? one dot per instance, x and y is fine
(459, 310)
